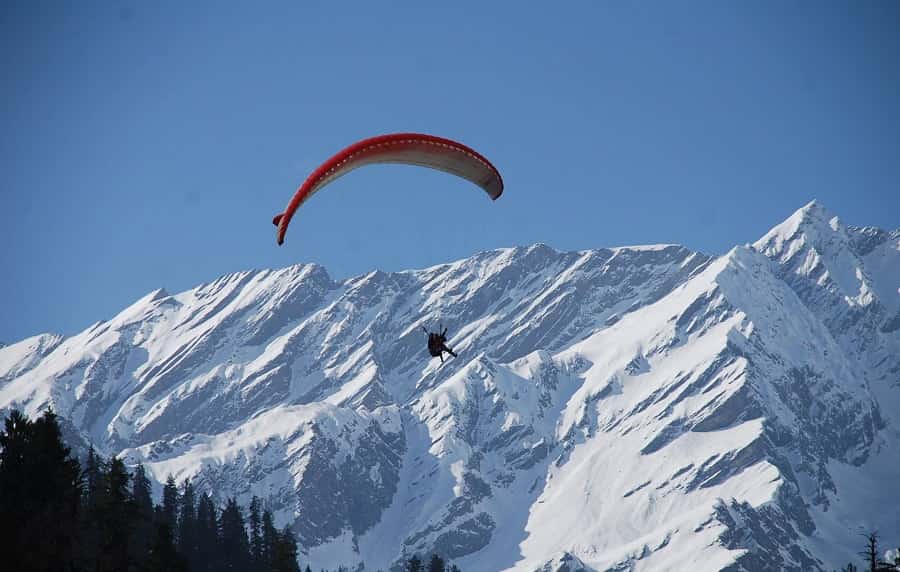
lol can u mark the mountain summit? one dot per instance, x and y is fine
(635, 408)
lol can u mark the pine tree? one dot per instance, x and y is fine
(56, 480)
(207, 534)
(234, 546)
(187, 525)
(269, 538)
(170, 506)
(871, 552)
(144, 530)
(141, 492)
(93, 500)
(875, 564)
(163, 555)
(15, 505)
(164, 552)
(40, 486)
(284, 557)
(436, 564)
(256, 542)
(116, 516)
(414, 564)
(93, 478)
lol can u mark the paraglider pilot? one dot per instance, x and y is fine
(437, 344)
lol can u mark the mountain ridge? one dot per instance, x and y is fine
(619, 408)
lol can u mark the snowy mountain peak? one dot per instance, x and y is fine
(814, 244)
(812, 223)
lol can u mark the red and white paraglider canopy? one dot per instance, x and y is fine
(405, 148)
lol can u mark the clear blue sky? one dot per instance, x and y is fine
(149, 144)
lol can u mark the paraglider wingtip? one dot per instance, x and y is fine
(276, 222)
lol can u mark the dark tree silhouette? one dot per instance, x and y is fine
(870, 554)
(256, 541)
(163, 555)
(187, 525)
(14, 504)
(116, 518)
(56, 517)
(871, 551)
(92, 503)
(170, 505)
(234, 546)
(93, 469)
(144, 530)
(207, 534)
(269, 538)
(284, 553)
(40, 486)
(414, 564)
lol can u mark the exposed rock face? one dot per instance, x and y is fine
(633, 408)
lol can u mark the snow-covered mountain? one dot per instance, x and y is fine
(636, 408)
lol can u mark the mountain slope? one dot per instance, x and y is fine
(629, 408)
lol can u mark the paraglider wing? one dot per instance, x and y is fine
(406, 148)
